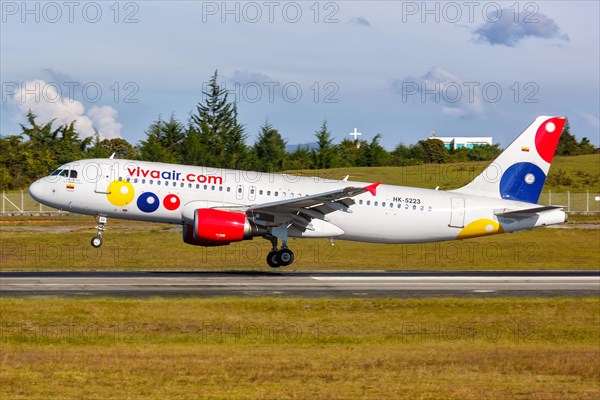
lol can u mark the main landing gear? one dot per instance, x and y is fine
(279, 258)
(97, 240)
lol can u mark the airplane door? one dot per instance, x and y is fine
(239, 192)
(252, 193)
(457, 215)
(104, 178)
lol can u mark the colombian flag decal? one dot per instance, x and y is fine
(70, 186)
(525, 148)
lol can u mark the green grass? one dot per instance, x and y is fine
(299, 348)
(62, 243)
(583, 170)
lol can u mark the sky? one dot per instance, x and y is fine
(401, 69)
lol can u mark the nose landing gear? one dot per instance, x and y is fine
(97, 240)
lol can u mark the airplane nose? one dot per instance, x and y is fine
(36, 190)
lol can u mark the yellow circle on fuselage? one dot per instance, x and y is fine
(120, 193)
(480, 227)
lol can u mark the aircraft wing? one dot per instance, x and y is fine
(301, 210)
(528, 212)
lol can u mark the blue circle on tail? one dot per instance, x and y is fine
(148, 202)
(523, 182)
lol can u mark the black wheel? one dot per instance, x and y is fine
(285, 257)
(273, 260)
(96, 241)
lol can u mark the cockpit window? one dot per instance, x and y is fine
(57, 172)
(64, 172)
(73, 174)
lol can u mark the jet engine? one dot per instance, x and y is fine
(213, 227)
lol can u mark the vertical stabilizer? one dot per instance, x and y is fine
(520, 171)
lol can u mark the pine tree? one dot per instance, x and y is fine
(216, 133)
(567, 144)
(163, 142)
(269, 149)
(324, 155)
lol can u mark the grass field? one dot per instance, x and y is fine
(300, 349)
(62, 243)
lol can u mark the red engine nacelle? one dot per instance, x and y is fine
(218, 228)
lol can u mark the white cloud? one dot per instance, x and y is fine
(508, 28)
(45, 100)
(457, 97)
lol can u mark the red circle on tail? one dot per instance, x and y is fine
(546, 137)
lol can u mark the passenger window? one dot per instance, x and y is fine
(383, 204)
(260, 192)
(212, 187)
(220, 188)
(268, 192)
(158, 183)
(197, 186)
(128, 179)
(205, 187)
(276, 194)
(368, 202)
(376, 203)
(429, 208)
(151, 181)
(360, 202)
(228, 189)
(414, 207)
(143, 181)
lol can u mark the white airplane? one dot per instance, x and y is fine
(216, 207)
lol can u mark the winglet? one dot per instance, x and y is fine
(372, 188)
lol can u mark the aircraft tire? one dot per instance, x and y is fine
(96, 241)
(285, 257)
(273, 259)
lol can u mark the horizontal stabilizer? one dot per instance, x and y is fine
(528, 212)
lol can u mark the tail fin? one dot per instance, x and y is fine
(519, 172)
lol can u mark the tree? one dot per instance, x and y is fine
(164, 140)
(567, 144)
(235, 151)
(107, 147)
(348, 154)
(269, 149)
(301, 158)
(324, 155)
(375, 155)
(214, 131)
(434, 151)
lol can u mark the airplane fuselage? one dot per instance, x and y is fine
(170, 193)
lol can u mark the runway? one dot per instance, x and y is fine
(345, 284)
